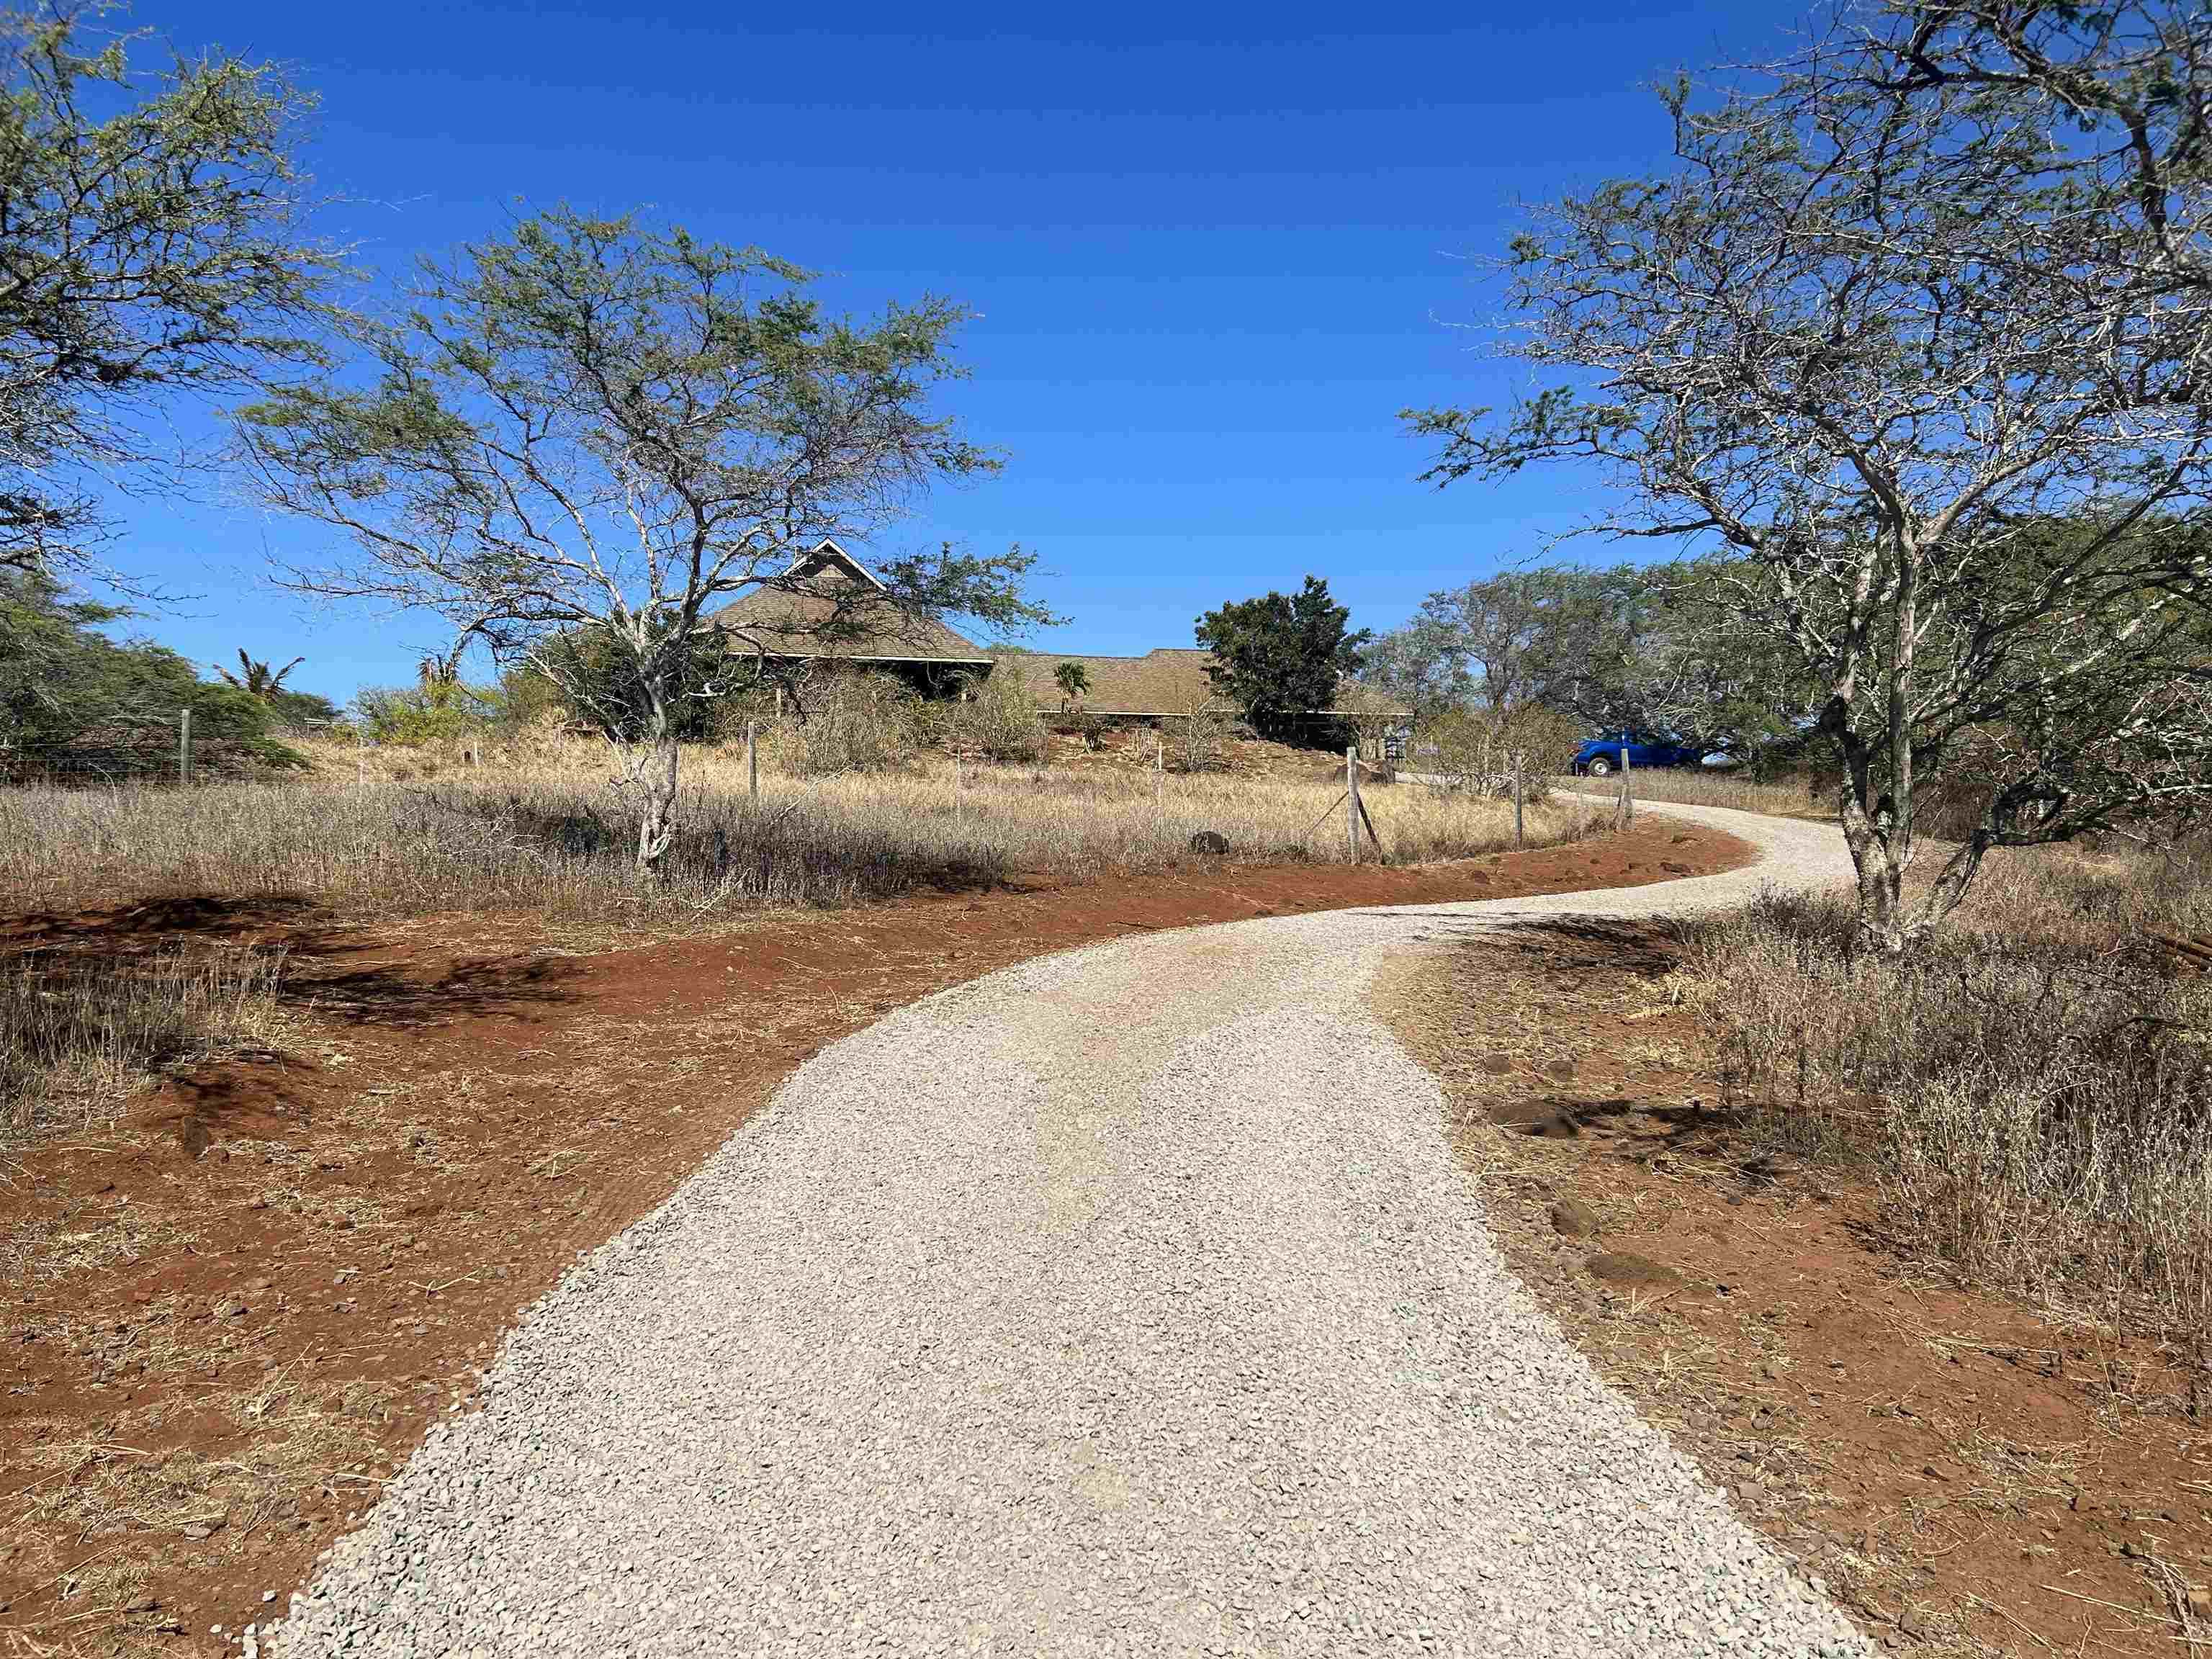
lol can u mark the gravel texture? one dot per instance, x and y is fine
(1129, 1301)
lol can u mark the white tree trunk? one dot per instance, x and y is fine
(651, 765)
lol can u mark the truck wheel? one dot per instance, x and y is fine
(1599, 768)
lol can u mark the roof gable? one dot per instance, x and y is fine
(793, 623)
(828, 556)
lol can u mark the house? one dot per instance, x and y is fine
(830, 620)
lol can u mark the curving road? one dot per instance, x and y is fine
(1127, 1303)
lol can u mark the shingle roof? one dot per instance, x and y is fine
(805, 622)
(1170, 680)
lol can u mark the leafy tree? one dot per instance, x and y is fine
(440, 707)
(64, 685)
(1282, 656)
(591, 428)
(1881, 326)
(1421, 665)
(154, 247)
(1073, 680)
(1626, 646)
(715, 677)
(298, 711)
(257, 678)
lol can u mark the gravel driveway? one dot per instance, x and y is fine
(1129, 1301)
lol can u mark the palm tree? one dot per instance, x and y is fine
(1073, 680)
(257, 678)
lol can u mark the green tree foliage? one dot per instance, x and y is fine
(64, 685)
(592, 430)
(609, 693)
(256, 677)
(1280, 657)
(440, 707)
(155, 247)
(1073, 680)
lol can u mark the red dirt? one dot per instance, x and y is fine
(1970, 1475)
(239, 1310)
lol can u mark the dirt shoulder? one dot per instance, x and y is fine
(1969, 1475)
(237, 1311)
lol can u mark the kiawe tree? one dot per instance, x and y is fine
(1914, 337)
(1282, 656)
(588, 434)
(154, 247)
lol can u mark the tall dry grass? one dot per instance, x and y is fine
(1789, 797)
(539, 830)
(2032, 1093)
(79, 1033)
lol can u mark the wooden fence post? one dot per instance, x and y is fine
(1627, 789)
(1351, 799)
(184, 745)
(752, 764)
(1159, 771)
(1519, 839)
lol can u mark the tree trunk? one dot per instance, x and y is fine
(653, 772)
(1882, 926)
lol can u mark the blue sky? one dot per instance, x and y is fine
(1211, 258)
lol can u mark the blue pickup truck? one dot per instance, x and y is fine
(1601, 754)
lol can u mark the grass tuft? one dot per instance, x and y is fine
(2033, 1090)
(80, 1034)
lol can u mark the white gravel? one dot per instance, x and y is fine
(1129, 1301)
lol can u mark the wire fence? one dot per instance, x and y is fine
(139, 753)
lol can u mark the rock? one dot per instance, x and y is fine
(1673, 868)
(1562, 1068)
(2200, 1605)
(1572, 1219)
(1209, 841)
(1625, 1270)
(1496, 1065)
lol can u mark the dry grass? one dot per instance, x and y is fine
(2033, 1092)
(538, 831)
(78, 1034)
(1790, 797)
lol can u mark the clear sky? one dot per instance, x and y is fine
(1213, 255)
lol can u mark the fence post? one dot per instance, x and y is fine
(1519, 840)
(1627, 789)
(360, 755)
(184, 745)
(752, 764)
(1159, 771)
(1352, 797)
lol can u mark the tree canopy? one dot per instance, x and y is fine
(65, 685)
(1886, 321)
(1281, 656)
(590, 434)
(154, 246)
